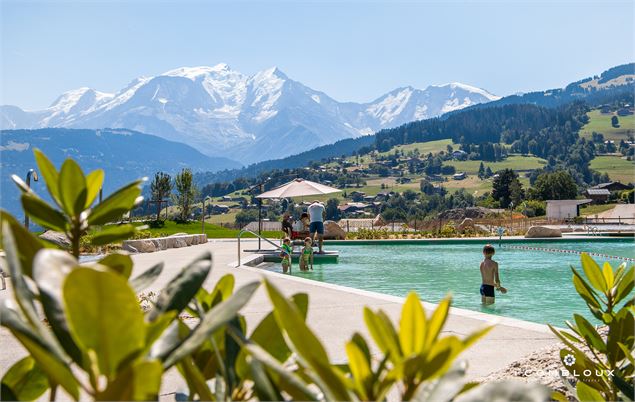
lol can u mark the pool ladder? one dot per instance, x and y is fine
(242, 232)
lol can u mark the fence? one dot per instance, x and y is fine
(489, 225)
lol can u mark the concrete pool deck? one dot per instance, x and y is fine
(335, 312)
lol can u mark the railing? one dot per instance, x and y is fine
(240, 234)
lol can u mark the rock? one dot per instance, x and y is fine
(140, 246)
(333, 231)
(542, 231)
(163, 243)
(467, 223)
(57, 238)
(379, 221)
(179, 234)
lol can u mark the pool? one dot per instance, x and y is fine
(538, 282)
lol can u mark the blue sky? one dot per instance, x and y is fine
(353, 51)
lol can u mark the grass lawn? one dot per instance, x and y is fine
(423, 147)
(515, 162)
(617, 168)
(601, 123)
(590, 210)
(212, 231)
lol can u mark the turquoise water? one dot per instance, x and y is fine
(538, 282)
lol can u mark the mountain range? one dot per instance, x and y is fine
(223, 112)
(124, 155)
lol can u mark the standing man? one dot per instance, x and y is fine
(316, 214)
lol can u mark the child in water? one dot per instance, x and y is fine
(307, 255)
(286, 253)
(489, 276)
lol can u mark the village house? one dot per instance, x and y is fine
(564, 209)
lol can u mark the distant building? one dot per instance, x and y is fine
(459, 176)
(624, 112)
(598, 195)
(613, 186)
(605, 109)
(564, 209)
(458, 154)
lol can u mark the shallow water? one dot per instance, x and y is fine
(538, 282)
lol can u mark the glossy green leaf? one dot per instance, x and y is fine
(625, 285)
(361, 343)
(23, 295)
(284, 378)
(589, 333)
(117, 204)
(585, 291)
(146, 278)
(625, 386)
(27, 244)
(43, 214)
(306, 344)
(140, 381)
(195, 380)
(412, 327)
(182, 288)
(609, 277)
(94, 182)
(120, 263)
(50, 269)
(265, 390)
(108, 322)
(593, 272)
(360, 368)
(213, 320)
(24, 381)
(112, 234)
(56, 371)
(50, 175)
(383, 333)
(437, 320)
(587, 394)
(72, 188)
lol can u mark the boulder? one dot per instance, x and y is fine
(467, 223)
(140, 246)
(379, 221)
(542, 231)
(333, 231)
(57, 238)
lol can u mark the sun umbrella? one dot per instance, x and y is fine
(298, 188)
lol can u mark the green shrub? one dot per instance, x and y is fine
(606, 372)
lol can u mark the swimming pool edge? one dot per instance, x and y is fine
(489, 319)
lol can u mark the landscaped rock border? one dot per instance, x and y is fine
(163, 243)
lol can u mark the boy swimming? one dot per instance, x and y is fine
(307, 255)
(489, 276)
(286, 253)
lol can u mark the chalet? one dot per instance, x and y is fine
(605, 109)
(624, 112)
(435, 177)
(220, 209)
(564, 209)
(404, 180)
(369, 198)
(598, 195)
(612, 186)
(459, 154)
(459, 176)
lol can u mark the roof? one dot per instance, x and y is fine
(569, 202)
(598, 191)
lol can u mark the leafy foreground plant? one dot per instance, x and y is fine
(606, 372)
(87, 334)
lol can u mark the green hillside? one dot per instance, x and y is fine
(601, 123)
(617, 168)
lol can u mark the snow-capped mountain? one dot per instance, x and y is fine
(221, 111)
